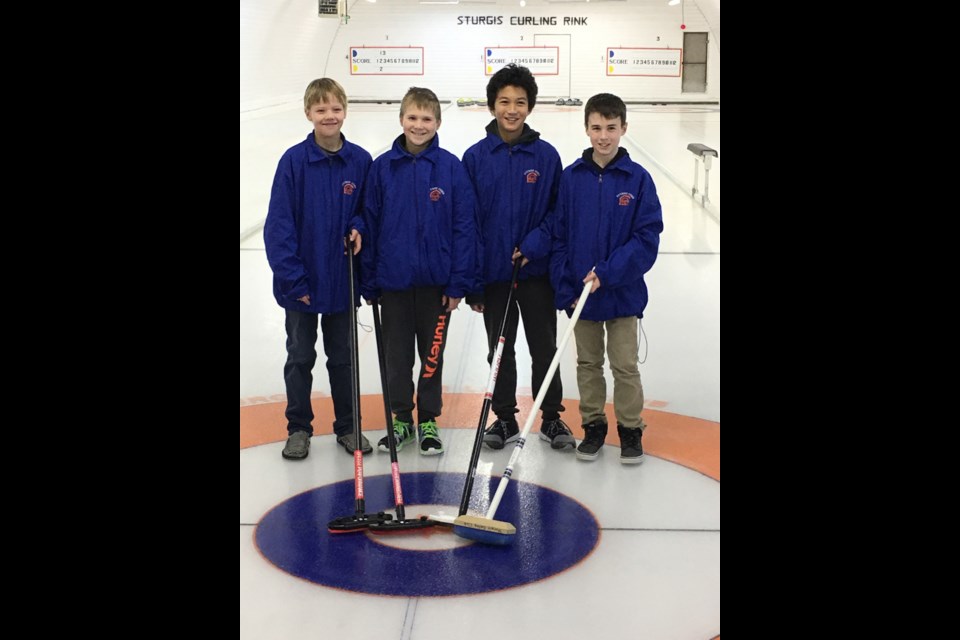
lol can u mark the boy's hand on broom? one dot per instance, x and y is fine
(517, 254)
(450, 303)
(592, 277)
(357, 241)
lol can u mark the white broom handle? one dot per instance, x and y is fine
(505, 479)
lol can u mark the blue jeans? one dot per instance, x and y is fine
(298, 371)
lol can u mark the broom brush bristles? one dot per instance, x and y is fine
(480, 523)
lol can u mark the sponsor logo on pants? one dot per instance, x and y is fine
(434, 358)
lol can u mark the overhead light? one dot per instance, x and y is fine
(523, 3)
(673, 3)
(439, 1)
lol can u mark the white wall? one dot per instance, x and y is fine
(711, 13)
(284, 45)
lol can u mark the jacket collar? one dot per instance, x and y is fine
(399, 150)
(617, 164)
(316, 154)
(527, 136)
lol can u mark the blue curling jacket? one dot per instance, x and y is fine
(419, 213)
(516, 188)
(314, 203)
(610, 218)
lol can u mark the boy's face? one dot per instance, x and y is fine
(327, 117)
(419, 127)
(511, 108)
(605, 135)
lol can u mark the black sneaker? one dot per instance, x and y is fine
(594, 433)
(500, 433)
(428, 433)
(631, 451)
(557, 434)
(402, 433)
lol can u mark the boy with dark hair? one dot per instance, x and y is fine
(315, 202)
(419, 260)
(607, 232)
(516, 176)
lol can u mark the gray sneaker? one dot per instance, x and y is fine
(557, 434)
(349, 442)
(501, 432)
(298, 446)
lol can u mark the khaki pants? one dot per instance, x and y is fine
(622, 349)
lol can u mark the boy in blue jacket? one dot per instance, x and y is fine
(516, 176)
(607, 232)
(419, 259)
(314, 203)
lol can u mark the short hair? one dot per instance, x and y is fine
(607, 105)
(515, 76)
(322, 90)
(422, 98)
